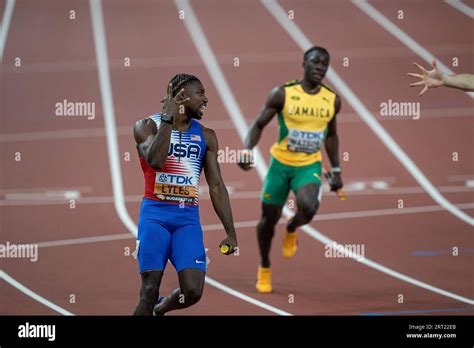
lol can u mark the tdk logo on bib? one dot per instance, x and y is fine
(301, 141)
(175, 179)
(184, 150)
(302, 135)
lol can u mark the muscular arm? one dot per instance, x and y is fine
(332, 140)
(273, 105)
(152, 144)
(217, 190)
(461, 81)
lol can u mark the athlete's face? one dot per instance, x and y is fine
(315, 66)
(197, 102)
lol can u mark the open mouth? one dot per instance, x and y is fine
(202, 108)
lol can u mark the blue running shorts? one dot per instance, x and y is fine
(169, 232)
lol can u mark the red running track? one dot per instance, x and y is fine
(70, 154)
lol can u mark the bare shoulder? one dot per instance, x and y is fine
(143, 128)
(210, 137)
(277, 96)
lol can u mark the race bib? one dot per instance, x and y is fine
(175, 188)
(305, 141)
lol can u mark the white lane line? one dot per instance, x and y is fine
(202, 45)
(32, 294)
(109, 115)
(43, 196)
(5, 25)
(112, 145)
(253, 223)
(302, 40)
(406, 39)
(25, 202)
(460, 6)
(246, 298)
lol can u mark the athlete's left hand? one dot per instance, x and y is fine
(232, 241)
(428, 79)
(336, 183)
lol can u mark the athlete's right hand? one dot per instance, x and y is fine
(232, 243)
(246, 160)
(172, 105)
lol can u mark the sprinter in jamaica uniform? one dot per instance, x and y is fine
(306, 112)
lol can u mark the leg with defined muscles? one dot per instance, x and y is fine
(265, 231)
(307, 204)
(191, 286)
(151, 281)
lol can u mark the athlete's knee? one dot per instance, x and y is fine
(192, 294)
(308, 208)
(270, 216)
(149, 291)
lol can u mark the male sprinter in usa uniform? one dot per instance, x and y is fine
(173, 148)
(306, 116)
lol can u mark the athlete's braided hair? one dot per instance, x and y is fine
(180, 80)
(316, 48)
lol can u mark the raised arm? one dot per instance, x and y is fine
(435, 78)
(153, 143)
(217, 190)
(273, 105)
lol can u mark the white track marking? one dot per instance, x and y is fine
(202, 45)
(5, 25)
(253, 223)
(406, 39)
(460, 6)
(112, 145)
(46, 195)
(109, 115)
(246, 298)
(300, 38)
(32, 294)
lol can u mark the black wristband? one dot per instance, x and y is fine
(167, 118)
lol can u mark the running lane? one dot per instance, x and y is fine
(261, 76)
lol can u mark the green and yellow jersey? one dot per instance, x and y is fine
(303, 123)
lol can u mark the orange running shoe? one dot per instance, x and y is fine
(290, 244)
(264, 280)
